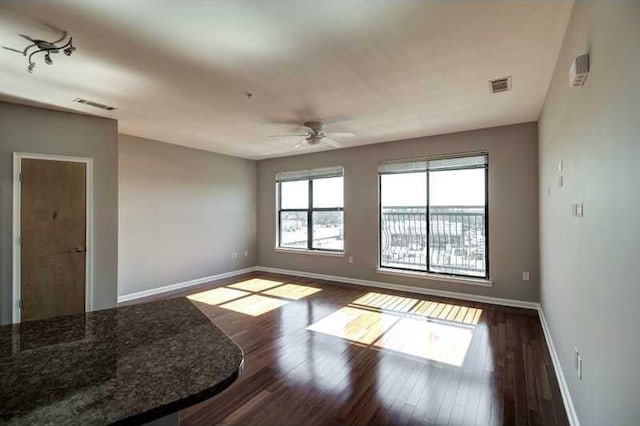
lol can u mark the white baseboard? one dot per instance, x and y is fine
(407, 288)
(564, 388)
(183, 285)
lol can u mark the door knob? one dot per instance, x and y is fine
(77, 250)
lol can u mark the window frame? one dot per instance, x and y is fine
(427, 270)
(309, 211)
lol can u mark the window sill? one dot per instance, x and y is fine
(312, 252)
(437, 277)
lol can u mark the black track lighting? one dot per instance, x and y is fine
(64, 43)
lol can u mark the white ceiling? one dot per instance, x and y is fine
(178, 71)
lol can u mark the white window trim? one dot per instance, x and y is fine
(483, 282)
(312, 252)
(17, 169)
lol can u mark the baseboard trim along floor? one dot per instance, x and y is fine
(407, 288)
(182, 285)
(564, 388)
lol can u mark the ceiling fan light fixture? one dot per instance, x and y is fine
(316, 136)
(31, 66)
(48, 60)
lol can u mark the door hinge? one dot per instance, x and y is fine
(20, 304)
(20, 177)
(19, 241)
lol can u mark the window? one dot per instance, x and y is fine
(310, 209)
(433, 215)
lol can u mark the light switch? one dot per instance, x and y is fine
(579, 210)
(525, 276)
(560, 165)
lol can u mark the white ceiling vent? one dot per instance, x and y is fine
(500, 85)
(93, 104)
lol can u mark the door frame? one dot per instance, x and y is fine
(17, 187)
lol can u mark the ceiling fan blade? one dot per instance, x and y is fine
(331, 143)
(288, 136)
(12, 49)
(26, 37)
(340, 134)
(62, 37)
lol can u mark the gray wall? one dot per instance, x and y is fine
(590, 286)
(182, 213)
(42, 131)
(513, 204)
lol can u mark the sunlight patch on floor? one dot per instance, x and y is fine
(423, 308)
(256, 284)
(217, 295)
(254, 305)
(358, 325)
(386, 302)
(424, 339)
(436, 331)
(292, 291)
(448, 312)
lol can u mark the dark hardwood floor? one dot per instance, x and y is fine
(326, 353)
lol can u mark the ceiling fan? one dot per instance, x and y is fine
(316, 135)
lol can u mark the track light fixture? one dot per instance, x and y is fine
(45, 47)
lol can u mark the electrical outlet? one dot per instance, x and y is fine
(350, 259)
(579, 367)
(579, 209)
(560, 165)
(246, 253)
(578, 362)
(525, 276)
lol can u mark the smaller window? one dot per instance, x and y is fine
(311, 209)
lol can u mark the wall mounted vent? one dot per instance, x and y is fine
(500, 85)
(93, 104)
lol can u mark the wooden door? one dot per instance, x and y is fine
(53, 237)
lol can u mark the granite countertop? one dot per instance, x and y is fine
(130, 364)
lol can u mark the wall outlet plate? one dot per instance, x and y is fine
(579, 367)
(525, 276)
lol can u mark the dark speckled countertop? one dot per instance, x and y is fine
(124, 365)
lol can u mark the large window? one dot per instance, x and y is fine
(433, 215)
(310, 209)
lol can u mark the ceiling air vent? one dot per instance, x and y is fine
(93, 104)
(500, 85)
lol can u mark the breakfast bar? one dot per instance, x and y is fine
(127, 365)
